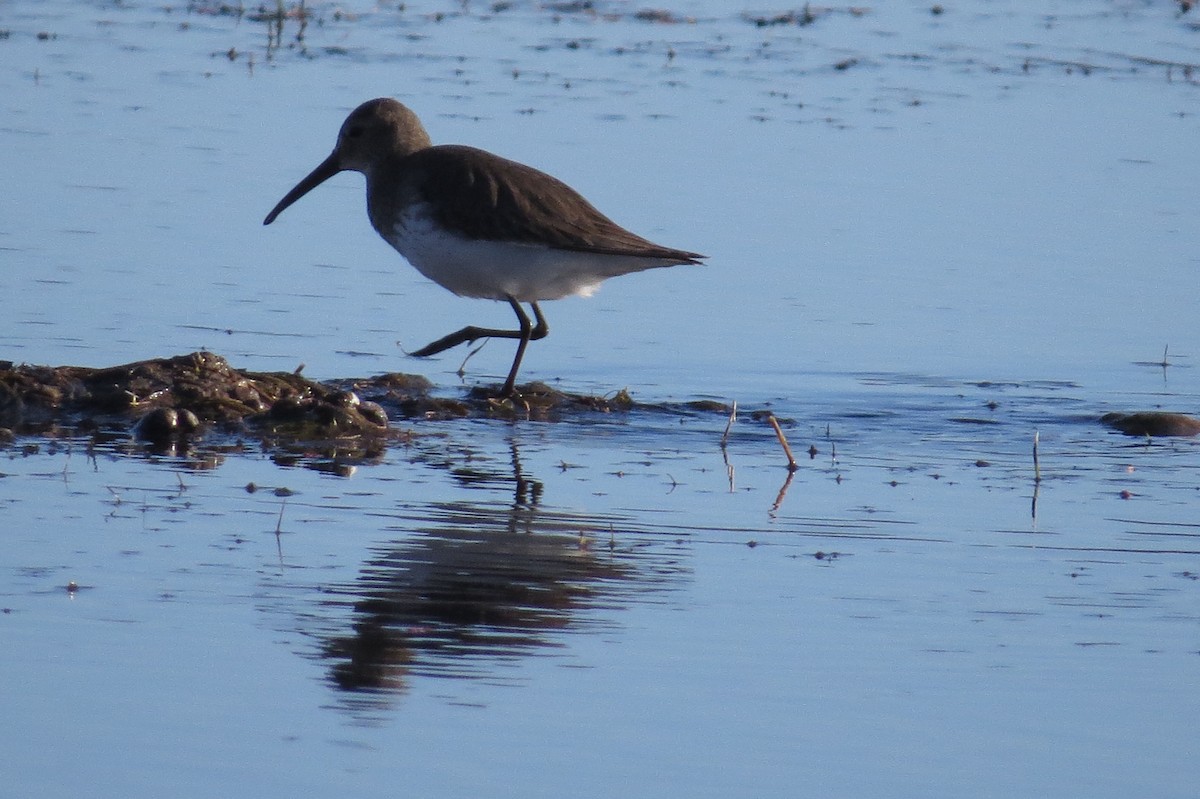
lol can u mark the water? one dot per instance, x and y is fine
(959, 239)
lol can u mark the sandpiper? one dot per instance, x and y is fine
(478, 224)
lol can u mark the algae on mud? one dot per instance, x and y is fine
(169, 399)
(164, 397)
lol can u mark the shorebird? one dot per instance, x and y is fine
(480, 225)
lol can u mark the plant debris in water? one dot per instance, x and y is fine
(171, 399)
(1153, 423)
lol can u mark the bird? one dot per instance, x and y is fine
(478, 224)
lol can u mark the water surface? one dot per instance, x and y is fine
(931, 236)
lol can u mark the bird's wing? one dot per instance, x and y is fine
(489, 197)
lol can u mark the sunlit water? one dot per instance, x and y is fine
(930, 237)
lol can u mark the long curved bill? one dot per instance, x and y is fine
(327, 169)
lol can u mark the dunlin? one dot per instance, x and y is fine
(480, 225)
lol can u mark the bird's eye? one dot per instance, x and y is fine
(354, 132)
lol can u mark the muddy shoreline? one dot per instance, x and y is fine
(165, 400)
(171, 404)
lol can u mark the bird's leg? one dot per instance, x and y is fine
(471, 333)
(541, 329)
(464, 336)
(529, 331)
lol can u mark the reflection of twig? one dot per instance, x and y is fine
(1037, 469)
(1037, 478)
(728, 425)
(728, 467)
(279, 531)
(783, 491)
(725, 445)
(792, 465)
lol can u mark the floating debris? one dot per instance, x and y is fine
(1152, 423)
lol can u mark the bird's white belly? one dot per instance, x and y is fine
(500, 269)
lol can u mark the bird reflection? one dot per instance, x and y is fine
(481, 584)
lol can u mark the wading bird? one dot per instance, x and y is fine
(480, 225)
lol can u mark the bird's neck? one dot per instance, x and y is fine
(386, 193)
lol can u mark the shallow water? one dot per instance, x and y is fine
(974, 230)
